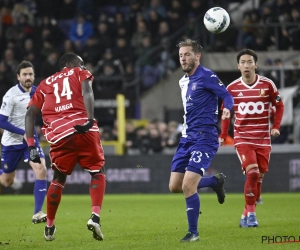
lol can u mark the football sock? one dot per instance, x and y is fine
(53, 199)
(245, 212)
(207, 182)
(250, 189)
(192, 211)
(97, 190)
(259, 184)
(39, 191)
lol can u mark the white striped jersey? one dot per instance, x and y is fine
(252, 106)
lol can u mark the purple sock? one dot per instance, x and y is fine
(192, 211)
(207, 182)
(40, 191)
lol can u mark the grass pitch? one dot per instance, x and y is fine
(151, 222)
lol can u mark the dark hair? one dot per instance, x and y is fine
(66, 58)
(23, 65)
(246, 52)
(195, 44)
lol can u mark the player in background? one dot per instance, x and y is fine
(14, 146)
(67, 103)
(253, 96)
(200, 89)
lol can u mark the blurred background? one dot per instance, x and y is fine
(130, 48)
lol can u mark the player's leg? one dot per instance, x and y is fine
(247, 156)
(39, 191)
(40, 187)
(199, 161)
(216, 182)
(63, 156)
(263, 159)
(10, 157)
(53, 200)
(91, 158)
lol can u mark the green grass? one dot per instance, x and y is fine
(150, 222)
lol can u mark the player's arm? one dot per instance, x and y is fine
(88, 99)
(5, 124)
(277, 102)
(31, 113)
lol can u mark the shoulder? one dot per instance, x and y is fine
(12, 92)
(234, 83)
(207, 73)
(268, 81)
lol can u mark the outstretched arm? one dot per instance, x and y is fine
(31, 113)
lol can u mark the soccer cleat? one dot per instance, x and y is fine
(219, 188)
(243, 222)
(190, 237)
(39, 217)
(252, 221)
(93, 225)
(49, 233)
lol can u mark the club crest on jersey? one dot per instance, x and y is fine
(262, 92)
(278, 98)
(243, 157)
(194, 86)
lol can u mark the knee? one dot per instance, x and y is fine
(7, 182)
(41, 171)
(175, 188)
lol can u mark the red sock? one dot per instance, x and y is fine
(250, 189)
(245, 211)
(53, 199)
(97, 190)
(259, 184)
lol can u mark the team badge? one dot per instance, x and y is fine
(243, 158)
(262, 92)
(194, 86)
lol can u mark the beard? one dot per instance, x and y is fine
(189, 67)
(27, 84)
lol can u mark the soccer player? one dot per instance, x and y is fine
(253, 96)
(14, 146)
(200, 89)
(67, 103)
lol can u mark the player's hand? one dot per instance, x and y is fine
(221, 141)
(225, 114)
(34, 155)
(275, 132)
(82, 129)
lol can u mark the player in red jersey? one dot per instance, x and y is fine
(67, 103)
(253, 97)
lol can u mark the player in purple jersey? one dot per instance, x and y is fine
(200, 89)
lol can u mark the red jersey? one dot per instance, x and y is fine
(252, 110)
(60, 99)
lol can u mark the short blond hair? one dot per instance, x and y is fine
(195, 44)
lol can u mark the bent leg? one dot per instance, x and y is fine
(175, 183)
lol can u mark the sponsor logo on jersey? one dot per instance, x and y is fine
(251, 108)
(51, 79)
(194, 86)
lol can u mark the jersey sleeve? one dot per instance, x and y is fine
(37, 98)
(216, 86)
(278, 104)
(7, 105)
(85, 74)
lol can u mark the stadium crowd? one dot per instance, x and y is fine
(113, 37)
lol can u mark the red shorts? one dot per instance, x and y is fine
(85, 149)
(251, 154)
